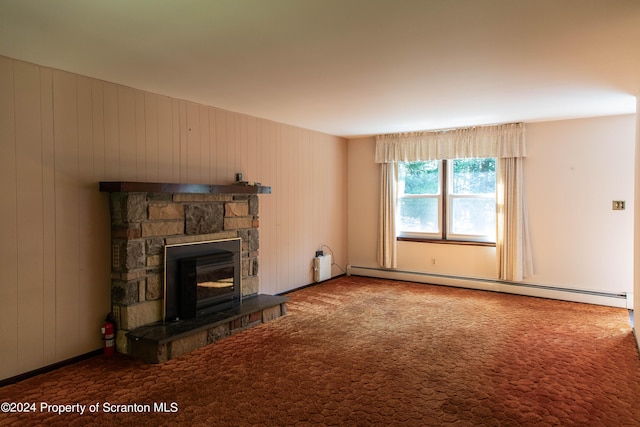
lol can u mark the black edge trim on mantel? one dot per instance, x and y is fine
(156, 187)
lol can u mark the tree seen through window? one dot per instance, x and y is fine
(466, 193)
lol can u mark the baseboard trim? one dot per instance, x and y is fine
(611, 299)
(310, 285)
(49, 368)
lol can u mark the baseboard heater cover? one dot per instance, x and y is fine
(620, 300)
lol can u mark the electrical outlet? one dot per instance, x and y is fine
(618, 205)
(433, 261)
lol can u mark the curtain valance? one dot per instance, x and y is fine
(500, 141)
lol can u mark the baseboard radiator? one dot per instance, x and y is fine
(621, 300)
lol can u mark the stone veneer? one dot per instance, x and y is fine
(143, 223)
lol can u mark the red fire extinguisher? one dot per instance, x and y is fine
(108, 336)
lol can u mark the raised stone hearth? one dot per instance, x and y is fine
(159, 343)
(145, 217)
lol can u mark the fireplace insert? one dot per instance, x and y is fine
(201, 278)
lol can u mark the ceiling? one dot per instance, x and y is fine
(349, 67)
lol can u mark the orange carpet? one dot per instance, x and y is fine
(359, 352)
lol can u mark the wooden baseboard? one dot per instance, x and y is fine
(49, 368)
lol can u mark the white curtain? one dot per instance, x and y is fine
(387, 247)
(504, 142)
(512, 242)
(476, 142)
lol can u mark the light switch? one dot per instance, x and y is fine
(618, 205)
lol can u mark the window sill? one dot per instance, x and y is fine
(445, 242)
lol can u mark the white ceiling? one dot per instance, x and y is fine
(349, 67)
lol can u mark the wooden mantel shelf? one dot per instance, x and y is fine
(156, 187)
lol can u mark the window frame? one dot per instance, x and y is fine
(440, 198)
(445, 197)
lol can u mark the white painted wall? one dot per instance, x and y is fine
(363, 188)
(636, 270)
(574, 169)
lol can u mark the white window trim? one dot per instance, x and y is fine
(445, 234)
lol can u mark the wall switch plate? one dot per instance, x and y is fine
(618, 205)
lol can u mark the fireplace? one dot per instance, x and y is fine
(201, 278)
(209, 234)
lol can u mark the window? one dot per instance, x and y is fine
(447, 200)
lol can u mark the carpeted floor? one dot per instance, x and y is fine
(359, 352)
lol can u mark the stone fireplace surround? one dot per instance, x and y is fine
(147, 216)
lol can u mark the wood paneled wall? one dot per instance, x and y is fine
(62, 133)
